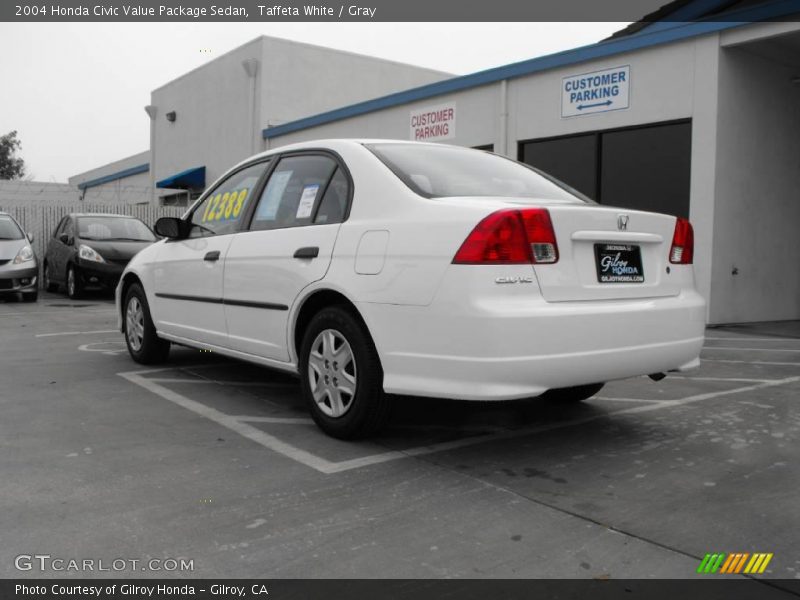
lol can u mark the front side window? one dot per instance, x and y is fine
(435, 171)
(293, 192)
(126, 229)
(9, 229)
(223, 209)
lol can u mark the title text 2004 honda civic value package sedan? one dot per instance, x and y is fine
(378, 267)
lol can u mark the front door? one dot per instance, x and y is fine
(189, 272)
(288, 246)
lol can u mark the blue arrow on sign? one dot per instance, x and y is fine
(582, 106)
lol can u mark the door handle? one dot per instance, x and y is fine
(307, 252)
(212, 256)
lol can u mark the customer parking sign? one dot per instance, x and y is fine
(598, 91)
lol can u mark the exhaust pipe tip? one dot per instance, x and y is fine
(657, 376)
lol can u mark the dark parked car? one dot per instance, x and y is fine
(18, 265)
(91, 250)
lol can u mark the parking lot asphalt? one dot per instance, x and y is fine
(217, 461)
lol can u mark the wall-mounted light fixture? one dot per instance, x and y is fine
(171, 116)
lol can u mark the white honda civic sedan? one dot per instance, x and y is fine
(376, 268)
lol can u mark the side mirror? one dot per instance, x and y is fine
(64, 238)
(172, 228)
(30, 237)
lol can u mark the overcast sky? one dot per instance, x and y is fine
(76, 92)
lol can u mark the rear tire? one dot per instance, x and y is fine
(144, 345)
(74, 287)
(48, 283)
(341, 376)
(573, 394)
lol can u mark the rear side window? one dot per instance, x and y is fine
(9, 229)
(438, 171)
(333, 206)
(60, 227)
(222, 210)
(294, 192)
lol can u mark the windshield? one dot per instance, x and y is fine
(114, 228)
(9, 229)
(435, 171)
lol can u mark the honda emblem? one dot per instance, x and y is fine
(622, 222)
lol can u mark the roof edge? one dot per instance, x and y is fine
(643, 39)
(130, 171)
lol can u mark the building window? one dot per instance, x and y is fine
(646, 168)
(177, 199)
(573, 160)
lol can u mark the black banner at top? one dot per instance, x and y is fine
(394, 10)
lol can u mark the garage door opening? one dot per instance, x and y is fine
(644, 167)
(756, 246)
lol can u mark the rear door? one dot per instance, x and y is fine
(609, 253)
(188, 273)
(288, 246)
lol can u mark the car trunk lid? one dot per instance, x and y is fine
(607, 253)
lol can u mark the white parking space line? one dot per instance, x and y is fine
(640, 400)
(42, 335)
(230, 422)
(752, 349)
(36, 313)
(228, 383)
(239, 424)
(734, 379)
(278, 420)
(749, 339)
(752, 362)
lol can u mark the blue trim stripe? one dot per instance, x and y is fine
(190, 178)
(114, 176)
(665, 34)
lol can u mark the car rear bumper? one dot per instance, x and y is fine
(522, 347)
(19, 279)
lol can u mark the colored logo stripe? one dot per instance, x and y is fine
(735, 563)
(758, 564)
(711, 563)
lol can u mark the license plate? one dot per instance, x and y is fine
(618, 263)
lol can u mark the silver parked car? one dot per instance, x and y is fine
(19, 268)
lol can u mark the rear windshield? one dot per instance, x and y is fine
(9, 229)
(114, 228)
(436, 171)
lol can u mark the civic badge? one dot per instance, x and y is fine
(622, 222)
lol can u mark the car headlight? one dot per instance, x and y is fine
(89, 253)
(24, 255)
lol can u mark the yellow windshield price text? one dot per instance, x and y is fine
(224, 207)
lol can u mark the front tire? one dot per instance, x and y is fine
(30, 296)
(341, 375)
(74, 287)
(573, 394)
(143, 343)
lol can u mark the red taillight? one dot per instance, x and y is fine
(682, 250)
(511, 236)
